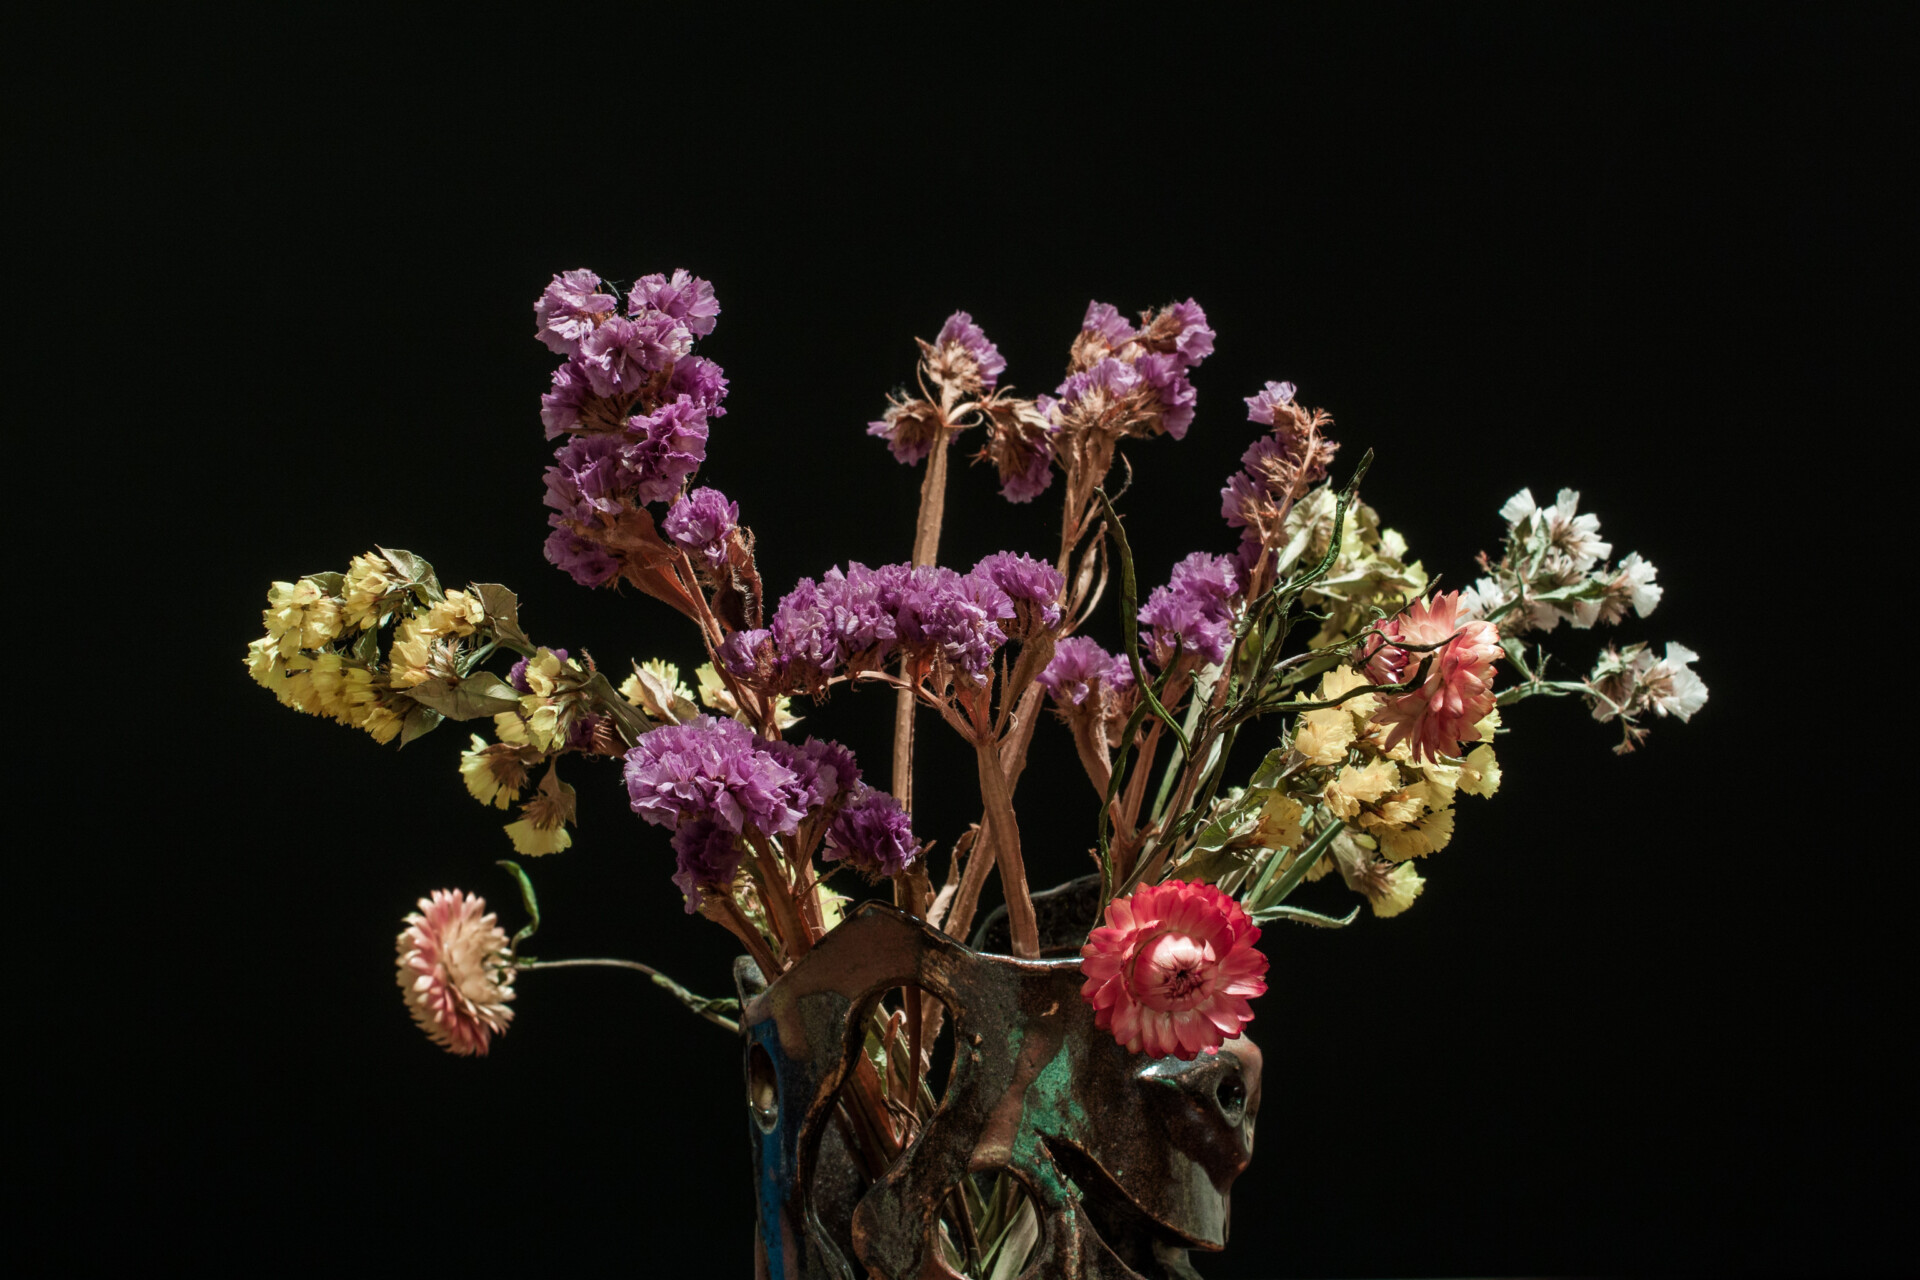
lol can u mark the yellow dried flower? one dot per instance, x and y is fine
(1322, 737)
(494, 774)
(382, 723)
(1353, 787)
(542, 719)
(510, 728)
(1398, 888)
(1480, 776)
(300, 615)
(458, 614)
(542, 826)
(1430, 835)
(263, 662)
(367, 587)
(412, 647)
(1279, 822)
(1388, 889)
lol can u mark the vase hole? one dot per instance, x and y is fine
(763, 1088)
(990, 1225)
(935, 1068)
(1231, 1093)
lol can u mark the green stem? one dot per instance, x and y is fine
(1295, 873)
(704, 1006)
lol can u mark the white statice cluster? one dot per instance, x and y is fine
(1628, 684)
(1555, 568)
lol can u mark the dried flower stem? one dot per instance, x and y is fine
(701, 1005)
(1006, 849)
(926, 546)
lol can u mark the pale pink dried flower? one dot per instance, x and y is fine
(1172, 969)
(456, 970)
(1458, 691)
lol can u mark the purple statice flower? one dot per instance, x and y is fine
(824, 771)
(1078, 666)
(701, 380)
(560, 407)
(1028, 484)
(1110, 378)
(1166, 374)
(685, 297)
(568, 309)
(714, 769)
(960, 329)
(1194, 340)
(909, 427)
(517, 674)
(621, 355)
(940, 612)
(802, 633)
(1033, 586)
(587, 561)
(700, 524)
(873, 834)
(1105, 320)
(1020, 446)
(706, 857)
(1275, 395)
(1209, 579)
(660, 451)
(1244, 501)
(1194, 611)
(589, 476)
(748, 654)
(856, 611)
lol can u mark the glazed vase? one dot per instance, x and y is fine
(1127, 1160)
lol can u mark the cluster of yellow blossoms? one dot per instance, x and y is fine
(1380, 808)
(319, 656)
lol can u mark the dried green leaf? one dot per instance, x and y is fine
(421, 720)
(414, 571)
(483, 694)
(503, 613)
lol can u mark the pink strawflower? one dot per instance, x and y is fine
(1171, 971)
(1458, 691)
(457, 971)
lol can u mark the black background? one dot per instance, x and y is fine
(1641, 1019)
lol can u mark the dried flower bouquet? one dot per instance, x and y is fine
(1374, 696)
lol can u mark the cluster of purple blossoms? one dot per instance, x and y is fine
(1034, 587)
(634, 399)
(701, 524)
(873, 834)
(1193, 613)
(859, 618)
(713, 769)
(823, 771)
(1113, 360)
(1080, 667)
(715, 783)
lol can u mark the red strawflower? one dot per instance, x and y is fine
(1171, 971)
